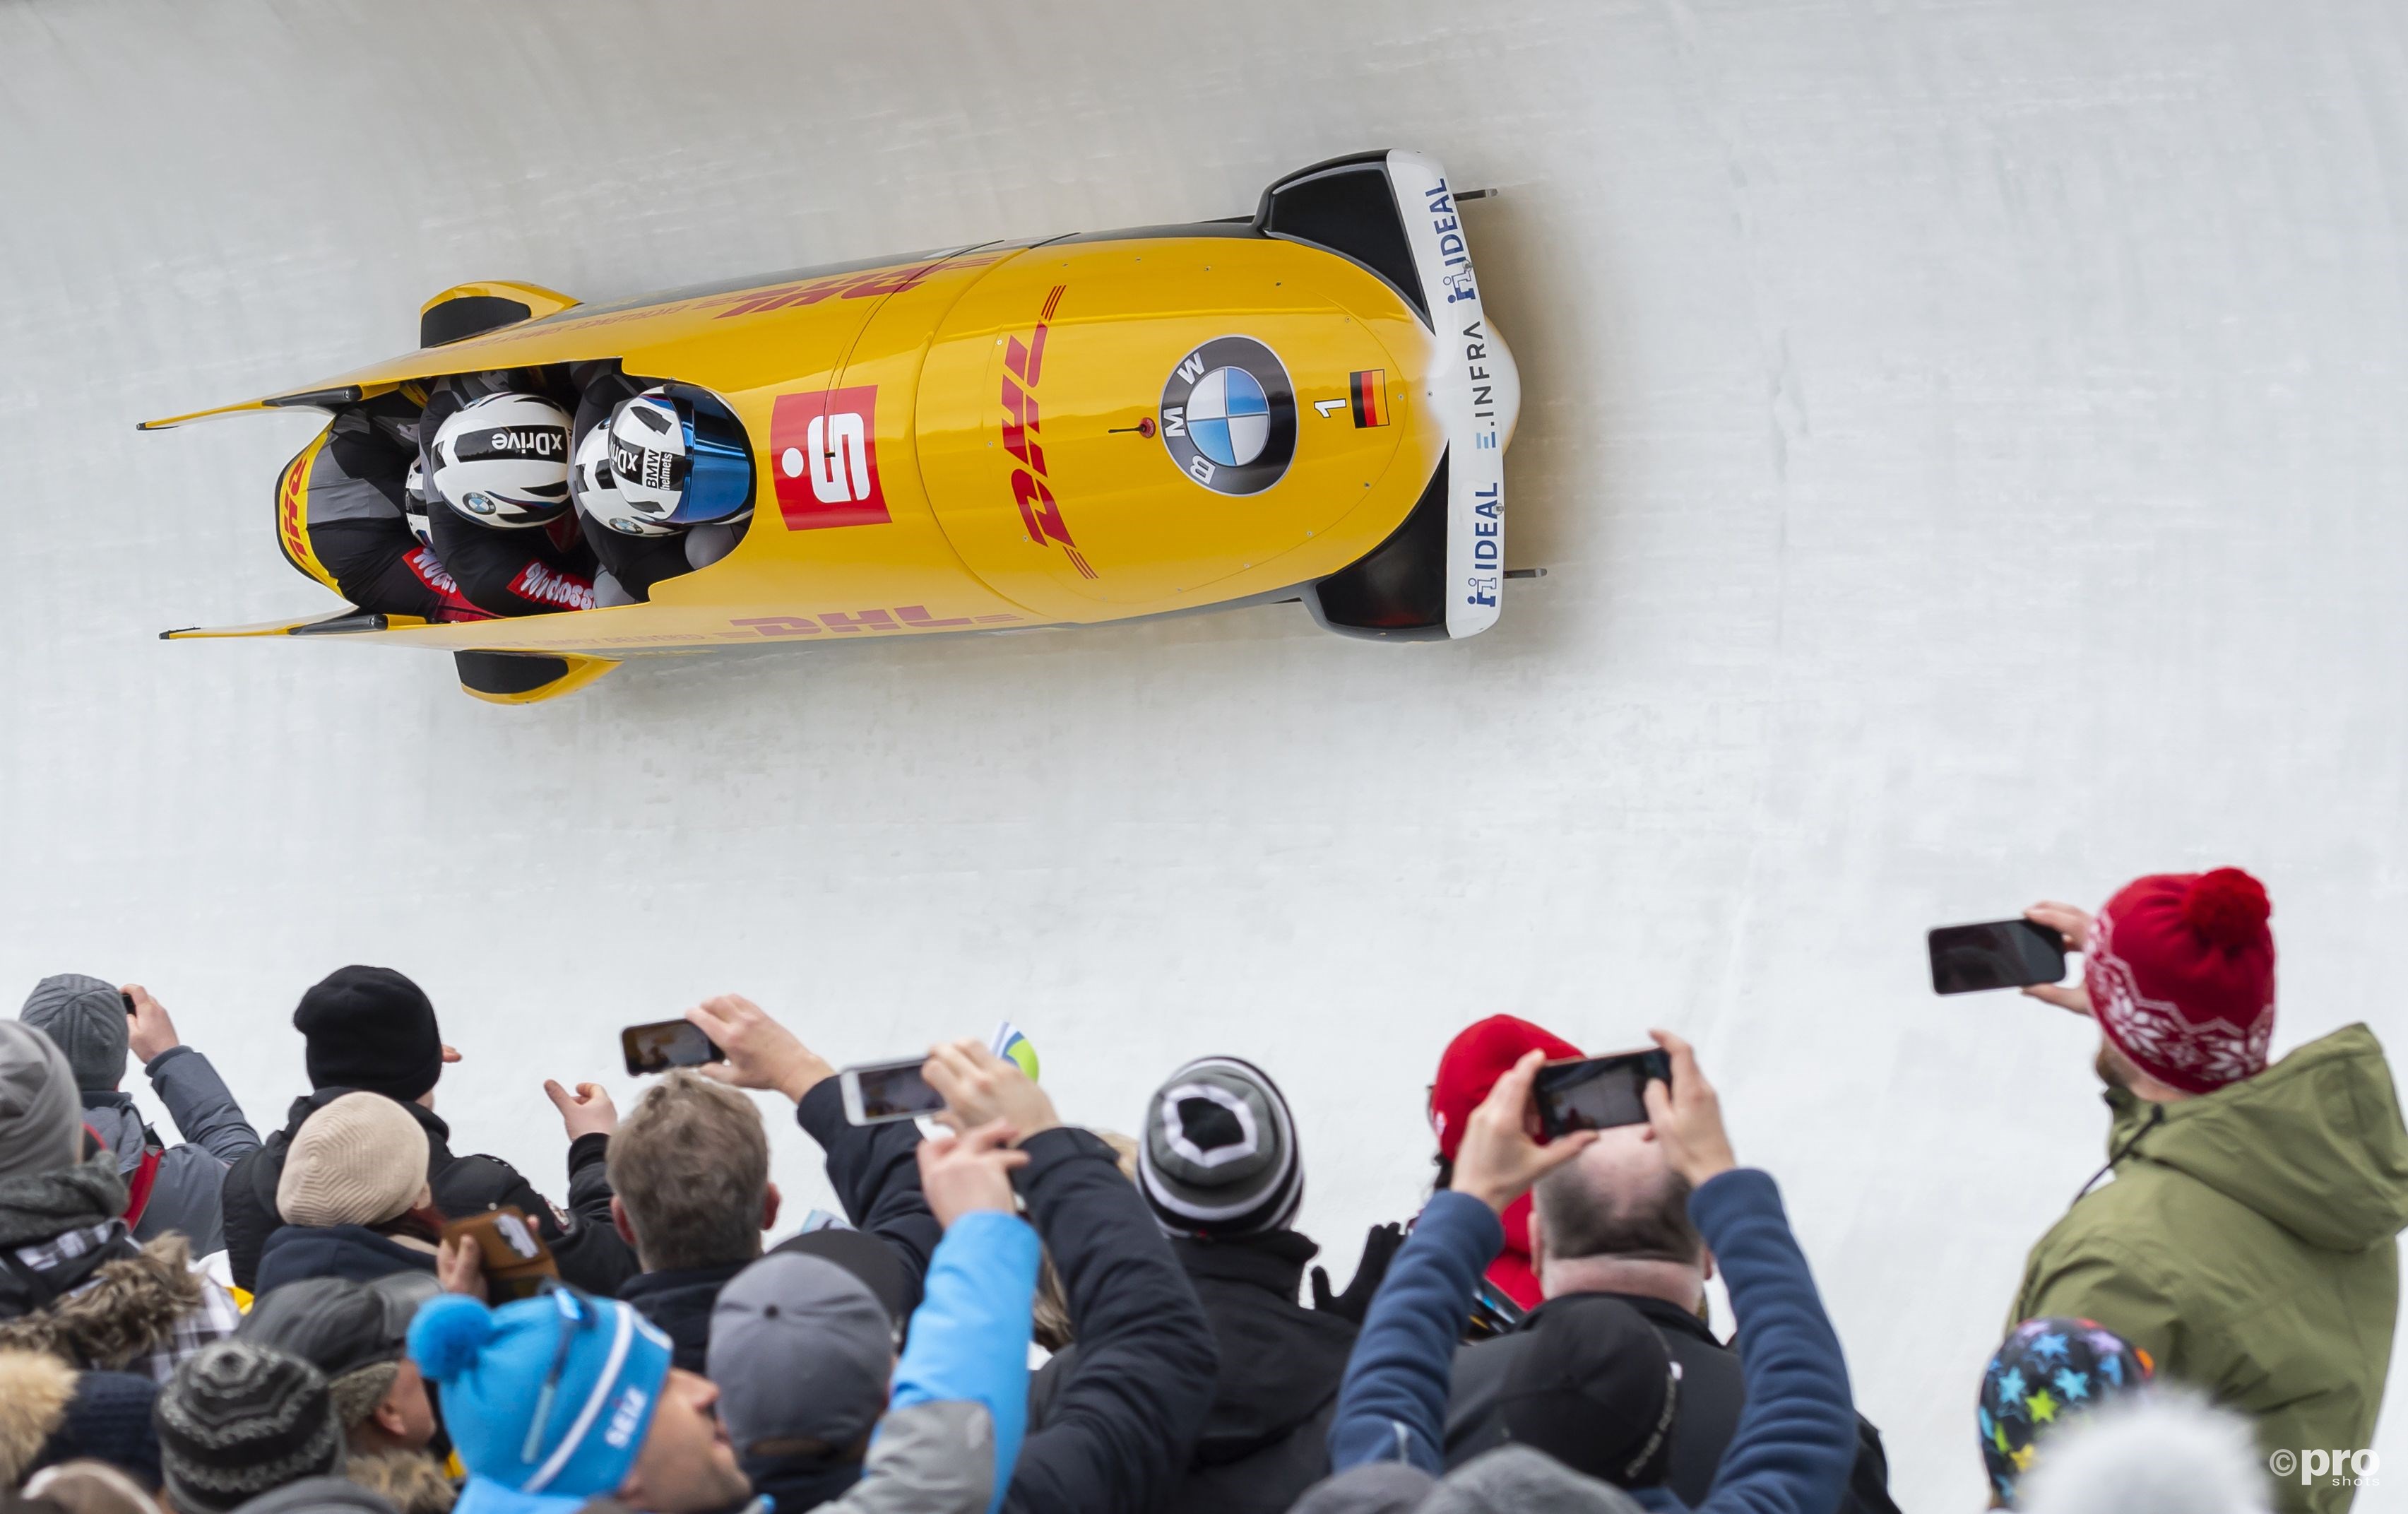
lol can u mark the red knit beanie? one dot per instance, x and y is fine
(2181, 974)
(1471, 1064)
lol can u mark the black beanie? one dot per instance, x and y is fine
(1594, 1386)
(238, 1420)
(370, 1027)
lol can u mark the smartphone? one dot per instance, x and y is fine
(129, 1001)
(877, 1092)
(516, 1262)
(666, 1044)
(1997, 954)
(1598, 1093)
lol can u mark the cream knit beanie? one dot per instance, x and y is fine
(359, 1161)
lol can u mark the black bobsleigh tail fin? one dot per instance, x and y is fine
(525, 677)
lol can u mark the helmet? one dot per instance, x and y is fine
(503, 460)
(681, 457)
(596, 489)
(413, 504)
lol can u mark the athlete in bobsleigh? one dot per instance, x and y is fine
(661, 481)
(466, 507)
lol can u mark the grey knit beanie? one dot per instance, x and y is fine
(238, 1420)
(1218, 1155)
(359, 1161)
(41, 1120)
(87, 1018)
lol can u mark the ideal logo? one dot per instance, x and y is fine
(627, 1419)
(823, 456)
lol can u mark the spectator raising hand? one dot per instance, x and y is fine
(969, 1172)
(587, 1111)
(980, 1087)
(761, 1053)
(1498, 1161)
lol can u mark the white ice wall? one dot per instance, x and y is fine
(1965, 438)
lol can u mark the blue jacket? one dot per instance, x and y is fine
(969, 1335)
(1795, 1439)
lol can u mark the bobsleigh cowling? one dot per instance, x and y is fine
(1308, 404)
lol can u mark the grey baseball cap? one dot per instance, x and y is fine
(801, 1350)
(86, 1018)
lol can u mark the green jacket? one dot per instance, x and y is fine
(2246, 1244)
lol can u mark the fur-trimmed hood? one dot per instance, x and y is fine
(128, 1311)
(411, 1481)
(35, 1390)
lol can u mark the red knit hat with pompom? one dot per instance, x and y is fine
(2181, 974)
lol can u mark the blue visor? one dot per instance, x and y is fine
(719, 463)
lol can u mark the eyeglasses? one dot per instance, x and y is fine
(573, 1316)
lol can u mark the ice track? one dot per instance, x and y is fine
(1966, 438)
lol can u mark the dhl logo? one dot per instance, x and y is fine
(292, 528)
(1023, 363)
(909, 617)
(865, 285)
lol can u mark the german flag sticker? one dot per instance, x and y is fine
(1371, 396)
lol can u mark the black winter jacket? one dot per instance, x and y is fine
(583, 1241)
(354, 1252)
(1266, 1439)
(1713, 1393)
(1123, 1419)
(679, 1302)
(875, 1169)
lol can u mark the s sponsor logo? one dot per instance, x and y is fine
(823, 458)
(1228, 416)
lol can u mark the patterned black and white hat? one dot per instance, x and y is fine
(238, 1420)
(1218, 1156)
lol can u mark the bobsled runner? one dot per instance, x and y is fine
(1308, 404)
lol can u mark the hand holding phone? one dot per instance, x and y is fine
(876, 1093)
(1597, 1094)
(1995, 954)
(661, 1044)
(512, 1254)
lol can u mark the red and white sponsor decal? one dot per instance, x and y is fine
(540, 585)
(823, 458)
(1023, 363)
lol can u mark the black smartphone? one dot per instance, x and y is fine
(1997, 954)
(877, 1092)
(665, 1044)
(1598, 1093)
(129, 1000)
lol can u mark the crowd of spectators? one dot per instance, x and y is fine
(299, 1324)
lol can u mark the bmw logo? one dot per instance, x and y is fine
(1228, 416)
(480, 503)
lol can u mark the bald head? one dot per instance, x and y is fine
(1621, 1201)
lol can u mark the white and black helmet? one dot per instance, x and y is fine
(680, 457)
(503, 461)
(597, 490)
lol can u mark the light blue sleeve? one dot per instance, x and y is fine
(969, 1335)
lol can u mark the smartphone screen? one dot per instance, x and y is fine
(888, 1091)
(1597, 1094)
(663, 1044)
(1997, 954)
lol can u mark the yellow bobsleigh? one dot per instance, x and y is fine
(1308, 404)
